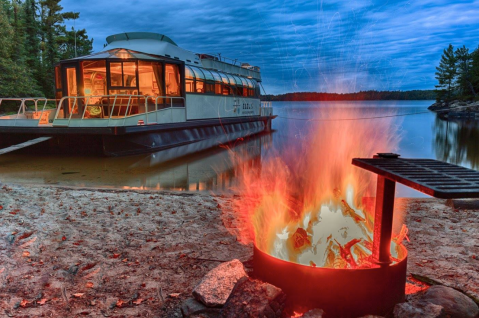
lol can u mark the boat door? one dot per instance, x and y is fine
(70, 88)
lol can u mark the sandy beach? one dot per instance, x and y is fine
(70, 252)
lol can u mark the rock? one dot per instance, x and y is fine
(215, 288)
(314, 313)
(455, 303)
(418, 310)
(193, 308)
(253, 298)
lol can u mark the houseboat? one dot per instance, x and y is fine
(142, 93)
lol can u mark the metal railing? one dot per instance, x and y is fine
(266, 108)
(24, 107)
(85, 100)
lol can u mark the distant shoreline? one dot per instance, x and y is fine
(358, 96)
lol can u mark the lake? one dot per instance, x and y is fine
(423, 135)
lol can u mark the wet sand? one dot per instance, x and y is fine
(70, 252)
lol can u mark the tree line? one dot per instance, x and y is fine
(33, 38)
(458, 75)
(362, 95)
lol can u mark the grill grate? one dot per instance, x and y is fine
(436, 178)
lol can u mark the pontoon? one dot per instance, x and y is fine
(142, 93)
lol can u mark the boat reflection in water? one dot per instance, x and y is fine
(456, 142)
(183, 168)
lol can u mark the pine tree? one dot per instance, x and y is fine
(84, 45)
(446, 74)
(32, 40)
(464, 67)
(475, 71)
(15, 79)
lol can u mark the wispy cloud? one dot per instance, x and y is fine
(321, 45)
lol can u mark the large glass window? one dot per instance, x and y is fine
(190, 80)
(172, 80)
(123, 78)
(200, 77)
(151, 78)
(94, 79)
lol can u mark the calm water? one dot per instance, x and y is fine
(423, 136)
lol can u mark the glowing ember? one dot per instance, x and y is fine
(307, 207)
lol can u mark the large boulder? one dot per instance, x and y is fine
(252, 298)
(216, 286)
(418, 310)
(455, 303)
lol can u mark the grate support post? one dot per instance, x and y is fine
(383, 220)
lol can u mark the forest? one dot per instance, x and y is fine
(363, 95)
(33, 38)
(458, 75)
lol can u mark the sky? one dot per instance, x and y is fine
(314, 46)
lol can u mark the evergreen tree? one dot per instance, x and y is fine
(446, 74)
(464, 67)
(15, 79)
(32, 40)
(67, 44)
(475, 71)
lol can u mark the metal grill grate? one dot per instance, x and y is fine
(436, 178)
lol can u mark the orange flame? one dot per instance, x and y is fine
(305, 205)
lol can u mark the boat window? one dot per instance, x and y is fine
(208, 75)
(151, 78)
(189, 80)
(231, 79)
(172, 80)
(243, 80)
(94, 79)
(237, 80)
(123, 74)
(198, 73)
(210, 87)
(200, 86)
(189, 73)
(224, 78)
(217, 76)
(58, 78)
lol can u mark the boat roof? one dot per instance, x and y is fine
(139, 35)
(120, 54)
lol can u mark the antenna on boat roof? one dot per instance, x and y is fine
(126, 34)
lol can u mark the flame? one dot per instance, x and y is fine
(305, 205)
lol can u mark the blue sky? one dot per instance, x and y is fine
(328, 46)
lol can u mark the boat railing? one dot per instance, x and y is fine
(117, 107)
(28, 113)
(266, 108)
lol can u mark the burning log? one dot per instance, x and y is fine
(299, 240)
(348, 211)
(345, 252)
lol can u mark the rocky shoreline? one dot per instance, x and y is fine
(456, 109)
(71, 252)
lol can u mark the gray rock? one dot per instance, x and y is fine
(215, 288)
(455, 303)
(252, 298)
(193, 308)
(418, 310)
(313, 313)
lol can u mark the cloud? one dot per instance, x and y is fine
(321, 45)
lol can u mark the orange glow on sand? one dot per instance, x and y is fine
(306, 205)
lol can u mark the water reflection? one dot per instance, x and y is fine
(182, 168)
(457, 142)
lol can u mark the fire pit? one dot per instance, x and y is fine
(376, 285)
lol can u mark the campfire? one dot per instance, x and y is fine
(309, 214)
